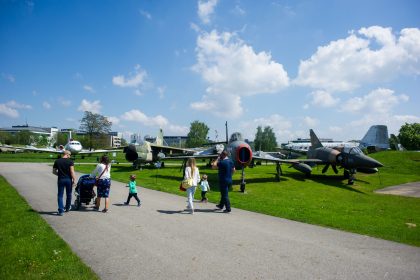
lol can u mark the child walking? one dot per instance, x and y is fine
(132, 191)
(205, 187)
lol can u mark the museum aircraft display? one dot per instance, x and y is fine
(351, 159)
(242, 156)
(146, 152)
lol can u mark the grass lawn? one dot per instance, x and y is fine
(29, 248)
(324, 200)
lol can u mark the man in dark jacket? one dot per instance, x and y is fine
(226, 170)
(64, 169)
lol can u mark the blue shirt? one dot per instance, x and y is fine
(225, 171)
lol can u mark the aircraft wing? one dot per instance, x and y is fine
(87, 152)
(45, 150)
(260, 155)
(170, 150)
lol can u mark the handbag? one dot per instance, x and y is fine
(97, 179)
(187, 183)
(181, 188)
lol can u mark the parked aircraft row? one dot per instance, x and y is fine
(351, 159)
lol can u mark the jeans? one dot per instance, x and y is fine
(64, 184)
(224, 197)
(190, 196)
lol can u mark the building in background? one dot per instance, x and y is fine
(49, 132)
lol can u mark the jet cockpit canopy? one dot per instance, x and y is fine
(236, 137)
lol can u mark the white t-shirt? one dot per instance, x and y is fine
(98, 171)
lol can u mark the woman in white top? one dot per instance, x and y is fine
(191, 171)
(102, 173)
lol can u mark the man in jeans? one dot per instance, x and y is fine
(64, 169)
(226, 169)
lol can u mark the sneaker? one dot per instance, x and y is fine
(139, 204)
(125, 203)
(68, 209)
(60, 214)
(226, 211)
(219, 206)
(104, 210)
(96, 208)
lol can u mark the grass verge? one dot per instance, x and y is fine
(29, 248)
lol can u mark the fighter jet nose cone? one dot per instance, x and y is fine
(370, 162)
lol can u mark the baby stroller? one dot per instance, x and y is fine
(84, 191)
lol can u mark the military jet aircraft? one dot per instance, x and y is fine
(147, 152)
(351, 159)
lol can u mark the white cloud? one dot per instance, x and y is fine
(145, 14)
(379, 101)
(8, 111)
(8, 77)
(205, 9)
(46, 105)
(134, 79)
(161, 91)
(232, 68)
(94, 107)
(89, 89)
(15, 105)
(310, 122)
(369, 55)
(156, 121)
(323, 98)
(140, 117)
(114, 120)
(228, 106)
(281, 127)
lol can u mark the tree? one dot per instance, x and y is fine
(265, 140)
(96, 127)
(197, 135)
(410, 136)
(24, 137)
(6, 138)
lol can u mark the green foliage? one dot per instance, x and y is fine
(6, 138)
(265, 140)
(197, 135)
(29, 248)
(23, 137)
(410, 136)
(393, 142)
(96, 126)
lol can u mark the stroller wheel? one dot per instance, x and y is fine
(77, 203)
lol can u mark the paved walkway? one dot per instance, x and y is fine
(409, 189)
(160, 241)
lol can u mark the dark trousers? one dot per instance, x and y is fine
(63, 184)
(203, 196)
(224, 197)
(130, 195)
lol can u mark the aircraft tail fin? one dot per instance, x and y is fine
(376, 137)
(159, 138)
(315, 143)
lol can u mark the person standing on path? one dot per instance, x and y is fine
(226, 170)
(191, 172)
(132, 191)
(66, 178)
(102, 173)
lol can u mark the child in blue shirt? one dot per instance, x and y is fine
(205, 187)
(132, 191)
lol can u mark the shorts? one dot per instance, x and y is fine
(103, 187)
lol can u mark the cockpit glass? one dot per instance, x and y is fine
(354, 150)
(236, 137)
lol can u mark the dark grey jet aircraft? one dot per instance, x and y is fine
(351, 159)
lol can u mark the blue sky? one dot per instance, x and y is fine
(337, 67)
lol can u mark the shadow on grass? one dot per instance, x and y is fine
(329, 180)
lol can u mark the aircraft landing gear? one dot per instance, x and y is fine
(279, 172)
(350, 176)
(243, 183)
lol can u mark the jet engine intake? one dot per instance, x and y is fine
(242, 155)
(131, 153)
